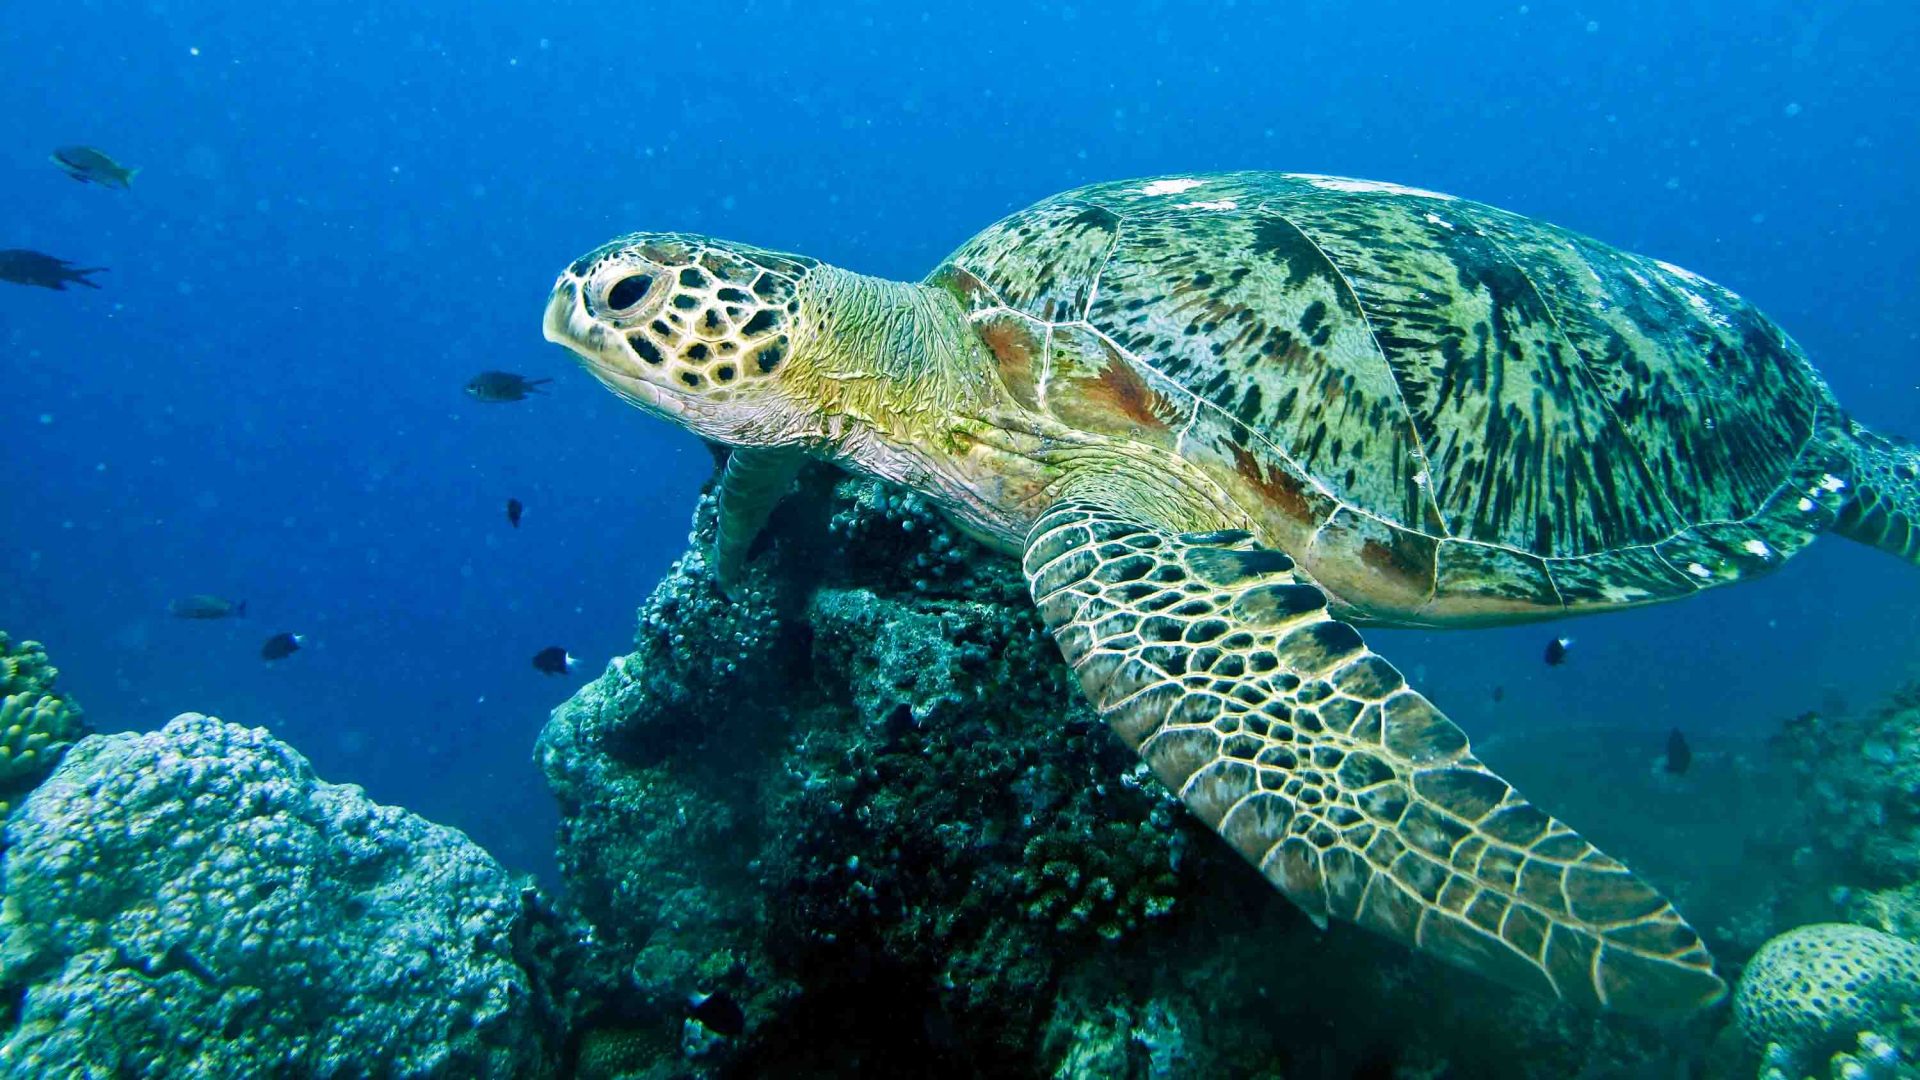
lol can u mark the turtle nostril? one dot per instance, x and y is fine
(628, 291)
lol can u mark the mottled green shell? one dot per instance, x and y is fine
(1472, 413)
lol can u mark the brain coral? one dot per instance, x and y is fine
(1810, 992)
(195, 902)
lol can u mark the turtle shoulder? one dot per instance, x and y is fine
(1444, 409)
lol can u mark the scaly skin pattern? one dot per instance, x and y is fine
(1885, 508)
(1355, 796)
(1448, 413)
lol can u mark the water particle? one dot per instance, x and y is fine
(1792, 109)
(1593, 26)
(46, 418)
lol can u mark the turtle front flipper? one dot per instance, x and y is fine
(753, 484)
(1218, 661)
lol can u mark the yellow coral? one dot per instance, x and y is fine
(24, 667)
(35, 729)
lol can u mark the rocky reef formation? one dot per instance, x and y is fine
(1860, 778)
(1842, 999)
(195, 902)
(37, 721)
(863, 805)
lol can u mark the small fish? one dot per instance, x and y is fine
(719, 1013)
(1499, 694)
(502, 386)
(90, 166)
(23, 267)
(206, 606)
(281, 646)
(514, 510)
(1679, 754)
(554, 660)
(1557, 651)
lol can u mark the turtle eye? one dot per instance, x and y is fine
(628, 291)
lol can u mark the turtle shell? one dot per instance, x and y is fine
(1445, 411)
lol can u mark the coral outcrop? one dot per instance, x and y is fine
(1821, 998)
(37, 722)
(865, 803)
(194, 902)
(1861, 778)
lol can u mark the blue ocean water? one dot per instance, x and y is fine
(345, 211)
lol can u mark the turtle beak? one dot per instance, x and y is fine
(567, 322)
(600, 352)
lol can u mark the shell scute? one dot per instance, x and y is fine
(1424, 388)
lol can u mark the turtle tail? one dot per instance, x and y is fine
(1884, 507)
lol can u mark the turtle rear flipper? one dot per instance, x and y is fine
(1885, 507)
(1218, 661)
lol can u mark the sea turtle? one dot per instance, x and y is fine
(1225, 418)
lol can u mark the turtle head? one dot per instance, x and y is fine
(694, 329)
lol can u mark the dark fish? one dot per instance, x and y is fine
(1557, 651)
(206, 606)
(90, 166)
(1499, 693)
(1679, 754)
(23, 267)
(502, 386)
(719, 1013)
(554, 660)
(513, 512)
(281, 646)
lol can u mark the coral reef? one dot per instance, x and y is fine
(37, 722)
(195, 902)
(866, 803)
(1825, 997)
(1861, 778)
(1831, 999)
